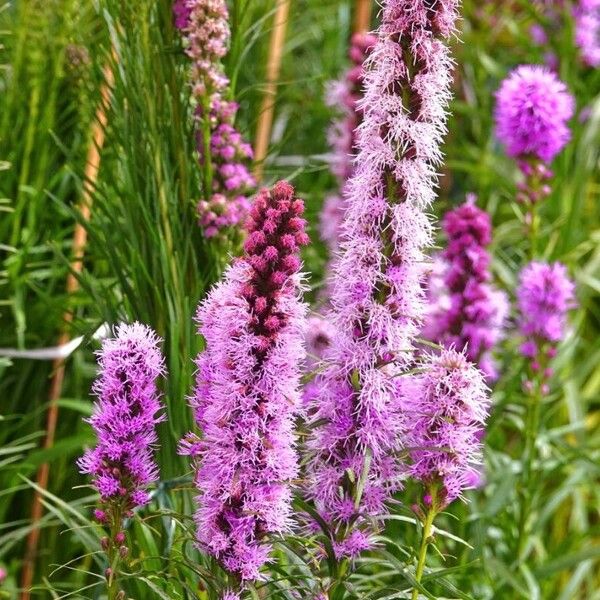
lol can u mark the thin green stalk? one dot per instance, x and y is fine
(533, 406)
(113, 555)
(531, 432)
(425, 541)
(207, 168)
(533, 231)
(341, 570)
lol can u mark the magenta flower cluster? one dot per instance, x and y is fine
(474, 318)
(587, 31)
(247, 391)
(223, 154)
(532, 110)
(231, 180)
(545, 295)
(447, 407)
(377, 298)
(125, 418)
(205, 25)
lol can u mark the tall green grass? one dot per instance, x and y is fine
(45, 111)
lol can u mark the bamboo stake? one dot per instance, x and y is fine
(72, 285)
(265, 119)
(362, 16)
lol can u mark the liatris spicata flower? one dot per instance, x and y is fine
(587, 31)
(125, 416)
(473, 320)
(205, 26)
(532, 110)
(247, 391)
(124, 420)
(222, 151)
(377, 297)
(545, 295)
(231, 179)
(446, 406)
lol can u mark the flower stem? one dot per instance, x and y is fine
(531, 431)
(425, 541)
(533, 232)
(113, 555)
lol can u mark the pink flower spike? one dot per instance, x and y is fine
(356, 417)
(125, 418)
(247, 393)
(532, 110)
(447, 406)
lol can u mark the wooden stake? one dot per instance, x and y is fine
(362, 16)
(265, 119)
(72, 285)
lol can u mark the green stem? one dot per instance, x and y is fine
(425, 540)
(531, 431)
(113, 556)
(534, 231)
(336, 591)
(207, 167)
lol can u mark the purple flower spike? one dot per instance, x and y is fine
(125, 417)
(447, 407)
(204, 25)
(232, 181)
(376, 296)
(532, 110)
(473, 316)
(247, 389)
(587, 31)
(545, 295)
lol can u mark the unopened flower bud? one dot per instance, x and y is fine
(100, 515)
